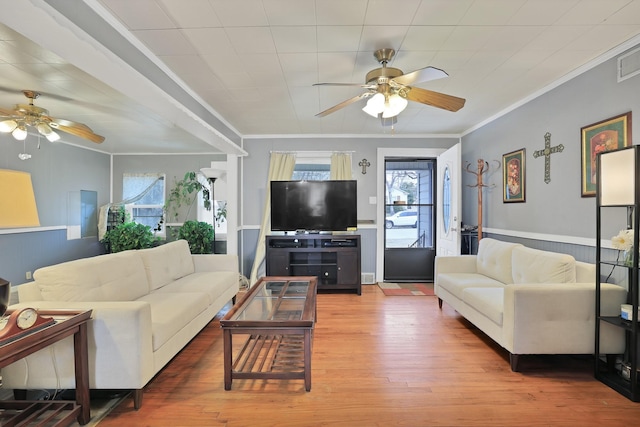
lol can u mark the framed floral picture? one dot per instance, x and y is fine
(606, 135)
(513, 173)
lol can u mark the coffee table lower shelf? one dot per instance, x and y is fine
(267, 356)
(49, 413)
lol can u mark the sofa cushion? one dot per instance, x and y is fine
(211, 283)
(170, 312)
(166, 263)
(112, 277)
(494, 259)
(456, 283)
(536, 266)
(488, 301)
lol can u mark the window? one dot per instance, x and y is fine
(144, 198)
(312, 167)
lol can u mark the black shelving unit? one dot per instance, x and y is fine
(334, 259)
(622, 207)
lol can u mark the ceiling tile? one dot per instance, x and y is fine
(427, 37)
(340, 12)
(294, 39)
(491, 12)
(209, 41)
(344, 38)
(290, 12)
(248, 13)
(251, 39)
(591, 12)
(191, 14)
(140, 14)
(378, 37)
(541, 12)
(300, 69)
(390, 12)
(441, 12)
(470, 38)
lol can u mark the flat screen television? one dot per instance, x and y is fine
(314, 206)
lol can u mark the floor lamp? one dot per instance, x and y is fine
(212, 175)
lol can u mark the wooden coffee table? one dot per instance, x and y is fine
(277, 316)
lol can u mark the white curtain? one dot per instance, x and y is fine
(104, 210)
(281, 168)
(341, 166)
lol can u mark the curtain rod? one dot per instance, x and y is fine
(306, 152)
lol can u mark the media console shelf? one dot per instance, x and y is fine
(334, 259)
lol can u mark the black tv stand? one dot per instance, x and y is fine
(335, 260)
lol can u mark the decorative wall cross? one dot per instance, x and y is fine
(365, 164)
(547, 152)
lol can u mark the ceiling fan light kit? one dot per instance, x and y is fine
(389, 92)
(23, 115)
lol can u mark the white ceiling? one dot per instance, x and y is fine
(246, 68)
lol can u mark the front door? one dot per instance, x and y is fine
(409, 219)
(449, 208)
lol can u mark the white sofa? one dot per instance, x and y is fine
(529, 301)
(147, 305)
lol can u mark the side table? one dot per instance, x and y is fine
(48, 412)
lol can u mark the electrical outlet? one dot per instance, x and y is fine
(28, 275)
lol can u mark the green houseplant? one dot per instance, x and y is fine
(128, 235)
(199, 235)
(183, 195)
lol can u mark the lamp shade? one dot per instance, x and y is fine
(617, 177)
(17, 201)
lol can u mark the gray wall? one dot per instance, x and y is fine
(56, 169)
(556, 208)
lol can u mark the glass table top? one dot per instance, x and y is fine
(275, 301)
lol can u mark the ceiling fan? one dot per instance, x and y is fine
(23, 115)
(389, 91)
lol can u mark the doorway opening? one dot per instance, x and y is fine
(410, 218)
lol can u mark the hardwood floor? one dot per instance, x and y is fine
(383, 361)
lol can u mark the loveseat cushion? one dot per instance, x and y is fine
(166, 263)
(494, 259)
(112, 277)
(170, 312)
(488, 301)
(456, 283)
(536, 266)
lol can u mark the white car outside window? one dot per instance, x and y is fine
(402, 219)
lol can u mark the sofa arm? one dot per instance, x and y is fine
(216, 262)
(119, 345)
(556, 318)
(455, 264)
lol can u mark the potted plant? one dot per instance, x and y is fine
(183, 194)
(199, 235)
(128, 235)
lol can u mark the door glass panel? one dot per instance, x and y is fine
(446, 200)
(409, 203)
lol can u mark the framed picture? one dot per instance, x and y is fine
(513, 174)
(607, 135)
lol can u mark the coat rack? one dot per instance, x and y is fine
(483, 168)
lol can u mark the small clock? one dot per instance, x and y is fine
(22, 322)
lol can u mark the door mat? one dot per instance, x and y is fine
(406, 289)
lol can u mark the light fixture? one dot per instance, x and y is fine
(7, 126)
(48, 133)
(17, 201)
(20, 133)
(618, 176)
(386, 105)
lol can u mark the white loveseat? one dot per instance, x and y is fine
(529, 301)
(147, 305)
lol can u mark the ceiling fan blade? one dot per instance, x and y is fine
(77, 129)
(344, 104)
(436, 99)
(7, 113)
(421, 75)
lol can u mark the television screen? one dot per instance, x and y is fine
(313, 205)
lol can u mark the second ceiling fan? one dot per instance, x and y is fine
(388, 90)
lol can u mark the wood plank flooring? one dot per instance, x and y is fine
(383, 361)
